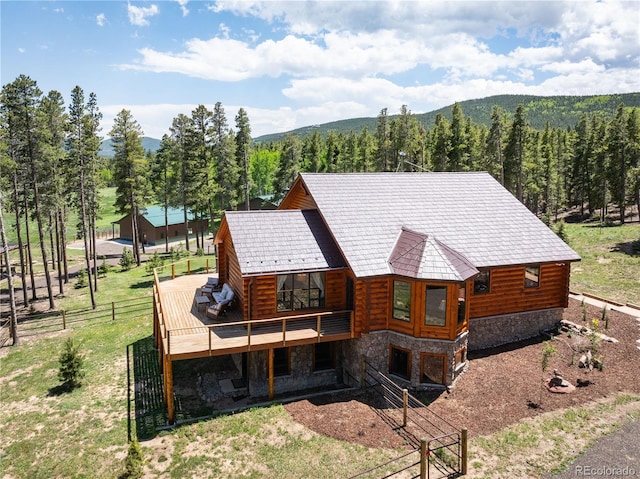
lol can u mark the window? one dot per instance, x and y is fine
(432, 368)
(462, 304)
(400, 362)
(300, 291)
(482, 282)
(436, 308)
(532, 276)
(324, 356)
(461, 356)
(281, 362)
(402, 300)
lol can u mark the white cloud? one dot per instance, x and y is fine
(138, 15)
(183, 7)
(101, 19)
(22, 50)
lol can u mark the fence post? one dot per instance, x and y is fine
(113, 310)
(173, 271)
(188, 266)
(206, 268)
(424, 464)
(363, 373)
(463, 439)
(405, 402)
(64, 320)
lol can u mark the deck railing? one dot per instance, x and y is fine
(326, 324)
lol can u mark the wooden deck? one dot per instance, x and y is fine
(187, 332)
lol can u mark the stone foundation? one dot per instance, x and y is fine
(302, 376)
(497, 330)
(375, 348)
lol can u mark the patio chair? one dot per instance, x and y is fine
(223, 300)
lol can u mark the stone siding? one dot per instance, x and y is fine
(301, 374)
(497, 330)
(375, 348)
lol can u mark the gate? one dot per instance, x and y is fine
(442, 447)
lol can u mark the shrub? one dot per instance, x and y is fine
(156, 261)
(561, 231)
(104, 268)
(127, 261)
(200, 252)
(81, 279)
(134, 462)
(71, 365)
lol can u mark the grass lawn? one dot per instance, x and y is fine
(607, 269)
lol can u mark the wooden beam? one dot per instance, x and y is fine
(168, 387)
(270, 372)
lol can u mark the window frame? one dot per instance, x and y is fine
(286, 298)
(443, 358)
(394, 308)
(531, 283)
(392, 362)
(426, 305)
(487, 283)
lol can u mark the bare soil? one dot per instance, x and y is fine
(501, 386)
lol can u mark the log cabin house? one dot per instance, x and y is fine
(405, 270)
(153, 225)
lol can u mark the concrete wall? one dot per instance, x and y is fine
(508, 328)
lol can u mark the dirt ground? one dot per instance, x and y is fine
(501, 386)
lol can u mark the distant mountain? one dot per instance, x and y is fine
(106, 148)
(559, 111)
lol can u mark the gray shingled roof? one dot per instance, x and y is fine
(421, 256)
(278, 241)
(470, 213)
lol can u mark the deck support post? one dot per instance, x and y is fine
(168, 389)
(270, 371)
(405, 403)
(424, 464)
(463, 452)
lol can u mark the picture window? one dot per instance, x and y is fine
(402, 300)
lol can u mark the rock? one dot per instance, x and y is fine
(586, 361)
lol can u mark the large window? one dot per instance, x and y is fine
(432, 368)
(532, 276)
(402, 300)
(281, 362)
(300, 291)
(482, 282)
(324, 356)
(400, 362)
(436, 307)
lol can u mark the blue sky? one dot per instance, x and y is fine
(292, 64)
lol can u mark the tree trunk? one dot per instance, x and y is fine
(13, 324)
(23, 277)
(36, 203)
(87, 252)
(63, 244)
(59, 253)
(34, 294)
(94, 250)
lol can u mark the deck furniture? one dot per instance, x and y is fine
(201, 300)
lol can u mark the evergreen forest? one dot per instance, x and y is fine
(51, 170)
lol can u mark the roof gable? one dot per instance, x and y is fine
(470, 213)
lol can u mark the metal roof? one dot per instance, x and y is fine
(155, 215)
(470, 213)
(279, 241)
